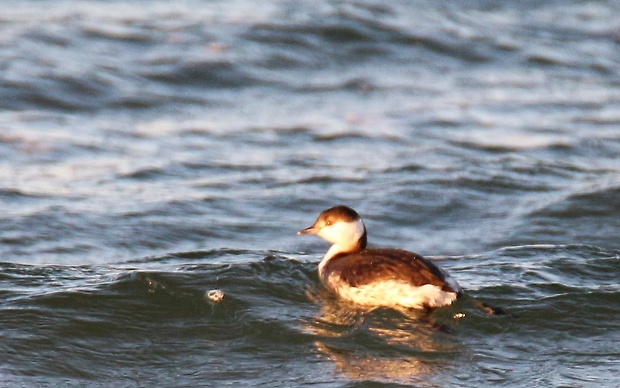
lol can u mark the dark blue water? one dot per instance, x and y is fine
(151, 152)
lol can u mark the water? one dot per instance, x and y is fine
(153, 151)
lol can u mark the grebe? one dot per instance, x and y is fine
(377, 277)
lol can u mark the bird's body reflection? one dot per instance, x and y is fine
(379, 344)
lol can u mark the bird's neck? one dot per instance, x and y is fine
(342, 248)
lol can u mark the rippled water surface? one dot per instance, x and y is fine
(153, 151)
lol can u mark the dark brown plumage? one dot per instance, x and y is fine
(372, 265)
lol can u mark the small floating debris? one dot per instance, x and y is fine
(459, 315)
(214, 296)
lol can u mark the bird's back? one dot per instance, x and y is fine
(385, 276)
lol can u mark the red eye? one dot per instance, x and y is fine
(328, 223)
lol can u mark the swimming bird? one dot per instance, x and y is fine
(377, 277)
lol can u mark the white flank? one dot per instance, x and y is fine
(393, 293)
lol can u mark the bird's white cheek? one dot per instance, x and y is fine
(329, 233)
(343, 232)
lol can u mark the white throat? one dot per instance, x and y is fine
(344, 235)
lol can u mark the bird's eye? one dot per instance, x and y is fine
(328, 223)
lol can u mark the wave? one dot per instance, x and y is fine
(104, 323)
(584, 215)
(202, 74)
(251, 278)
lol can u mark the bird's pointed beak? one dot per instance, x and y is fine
(310, 230)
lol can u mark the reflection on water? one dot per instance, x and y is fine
(358, 365)
(381, 344)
